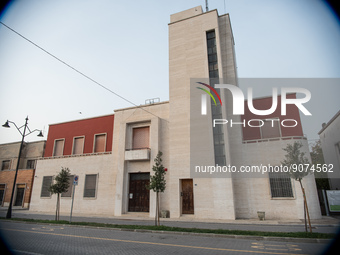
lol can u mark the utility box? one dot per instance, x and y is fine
(165, 214)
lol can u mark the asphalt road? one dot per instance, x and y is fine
(320, 228)
(36, 239)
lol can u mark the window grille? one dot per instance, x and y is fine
(216, 110)
(70, 187)
(90, 185)
(280, 185)
(46, 184)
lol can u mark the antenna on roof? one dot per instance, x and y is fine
(206, 5)
(152, 100)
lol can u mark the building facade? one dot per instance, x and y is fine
(114, 181)
(85, 147)
(139, 134)
(330, 143)
(201, 45)
(9, 158)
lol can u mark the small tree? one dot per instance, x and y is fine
(321, 178)
(157, 182)
(296, 160)
(60, 185)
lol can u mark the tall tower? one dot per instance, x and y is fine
(201, 45)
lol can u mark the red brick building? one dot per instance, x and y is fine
(85, 136)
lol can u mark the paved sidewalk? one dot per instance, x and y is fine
(324, 225)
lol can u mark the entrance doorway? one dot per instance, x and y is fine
(187, 195)
(139, 195)
(19, 199)
(2, 193)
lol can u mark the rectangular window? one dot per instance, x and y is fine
(99, 143)
(78, 145)
(6, 165)
(68, 193)
(46, 184)
(280, 185)
(140, 138)
(58, 147)
(212, 54)
(90, 185)
(30, 164)
(216, 110)
(270, 128)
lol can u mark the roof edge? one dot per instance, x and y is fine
(329, 122)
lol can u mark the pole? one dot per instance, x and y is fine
(74, 188)
(9, 211)
(305, 199)
(304, 215)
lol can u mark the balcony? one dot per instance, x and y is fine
(137, 154)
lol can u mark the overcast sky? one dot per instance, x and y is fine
(123, 45)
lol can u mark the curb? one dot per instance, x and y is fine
(258, 238)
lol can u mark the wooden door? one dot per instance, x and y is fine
(2, 193)
(187, 196)
(20, 195)
(139, 195)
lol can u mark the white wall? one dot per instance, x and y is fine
(330, 140)
(103, 204)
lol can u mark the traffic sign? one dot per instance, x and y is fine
(75, 180)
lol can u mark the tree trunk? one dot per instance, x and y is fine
(156, 215)
(58, 206)
(304, 215)
(57, 210)
(158, 207)
(304, 198)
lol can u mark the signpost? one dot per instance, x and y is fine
(75, 183)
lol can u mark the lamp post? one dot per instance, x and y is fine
(23, 134)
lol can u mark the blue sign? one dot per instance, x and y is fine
(75, 180)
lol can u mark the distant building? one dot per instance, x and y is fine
(113, 181)
(330, 143)
(9, 157)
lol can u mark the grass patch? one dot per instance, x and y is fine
(191, 230)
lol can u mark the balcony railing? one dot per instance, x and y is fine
(137, 154)
(77, 155)
(275, 139)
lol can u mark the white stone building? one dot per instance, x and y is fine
(330, 143)
(201, 48)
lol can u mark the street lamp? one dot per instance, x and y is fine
(23, 134)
